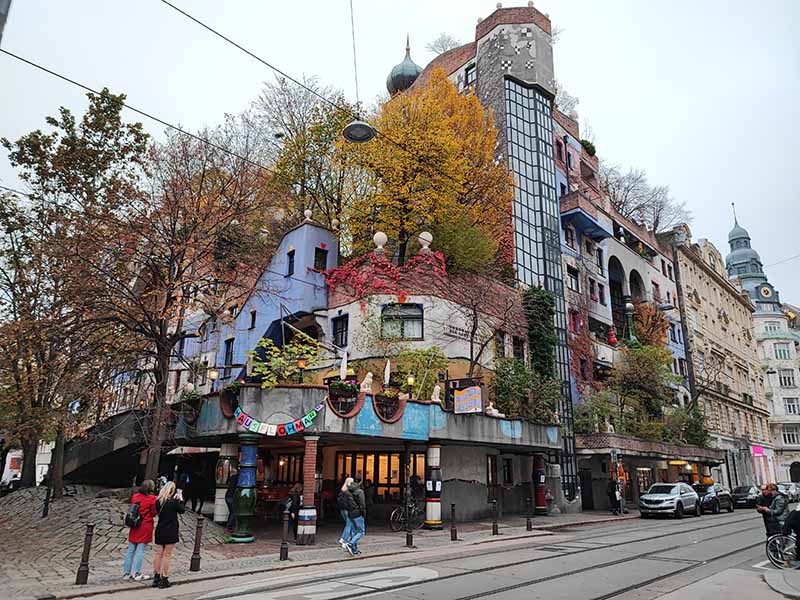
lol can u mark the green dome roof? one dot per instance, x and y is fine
(738, 232)
(403, 74)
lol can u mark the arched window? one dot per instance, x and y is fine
(402, 321)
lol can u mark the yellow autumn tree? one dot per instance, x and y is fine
(434, 169)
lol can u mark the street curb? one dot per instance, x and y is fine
(540, 529)
(776, 580)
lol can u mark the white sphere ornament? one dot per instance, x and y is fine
(380, 239)
(425, 239)
(335, 224)
(307, 214)
(189, 387)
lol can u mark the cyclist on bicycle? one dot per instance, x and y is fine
(776, 511)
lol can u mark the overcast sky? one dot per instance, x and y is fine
(702, 95)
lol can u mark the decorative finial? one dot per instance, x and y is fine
(479, 20)
(408, 44)
(499, 5)
(735, 220)
(530, 3)
(307, 214)
(380, 240)
(425, 238)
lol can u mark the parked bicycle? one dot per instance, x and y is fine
(416, 515)
(781, 550)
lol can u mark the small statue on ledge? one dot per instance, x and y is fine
(435, 395)
(366, 385)
(491, 411)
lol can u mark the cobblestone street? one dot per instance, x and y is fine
(40, 556)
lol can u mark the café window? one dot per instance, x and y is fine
(385, 470)
(289, 468)
(402, 321)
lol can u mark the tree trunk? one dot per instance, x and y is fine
(57, 464)
(30, 444)
(158, 417)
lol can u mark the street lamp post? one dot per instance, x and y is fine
(302, 364)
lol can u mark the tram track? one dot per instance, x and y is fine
(613, 563)
(407, 563)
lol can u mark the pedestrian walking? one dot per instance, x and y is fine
(357, 516)
(230, 493)
(293, 504)
(141, 534)
(611, 492)
(345, 502)
(776, 511)
(168, 508)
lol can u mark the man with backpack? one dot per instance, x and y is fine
(357, 511)
(141, 519)
(345, 503)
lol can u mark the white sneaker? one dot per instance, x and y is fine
(141, 577)
(341, 541)
(126, 577)
(350, 549)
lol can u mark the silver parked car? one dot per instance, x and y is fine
(674, 499)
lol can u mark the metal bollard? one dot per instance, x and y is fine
(83, 570)
(194, 564)
(46, 507)
(409, 533)
(285, 536)
(495, 527)
(453, 530)
(528, 520)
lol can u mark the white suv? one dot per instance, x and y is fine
(670, 499)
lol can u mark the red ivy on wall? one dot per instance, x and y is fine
(373, 273)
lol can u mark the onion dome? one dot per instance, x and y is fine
(403, 74)
(738, 232)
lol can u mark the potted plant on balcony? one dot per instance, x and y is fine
(229, 398)
(343, 397)
(388, 404)
(342, 389)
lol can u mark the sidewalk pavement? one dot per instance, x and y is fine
(784, 581)
(40, 561)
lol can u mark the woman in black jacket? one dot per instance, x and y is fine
(169, 507)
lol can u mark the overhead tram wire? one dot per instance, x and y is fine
(460, 189)
(279, 176)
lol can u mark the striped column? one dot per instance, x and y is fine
(244, 503)
(433, 489)
(307, 517)
(228, 456)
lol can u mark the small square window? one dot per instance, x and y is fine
(339, 326)
(470, 75)
(320, 259)
(290, 263)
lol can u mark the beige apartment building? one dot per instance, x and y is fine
(728, 384)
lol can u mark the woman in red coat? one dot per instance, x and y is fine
(140, 536)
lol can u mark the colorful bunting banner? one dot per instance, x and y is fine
(281, 430)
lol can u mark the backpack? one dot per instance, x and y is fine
(133, 518)
(345, 501)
